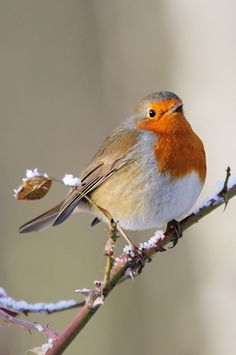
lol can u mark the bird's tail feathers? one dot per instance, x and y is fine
(43, 221)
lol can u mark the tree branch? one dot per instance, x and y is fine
(6, 317)
(8, 304)
(128, 265)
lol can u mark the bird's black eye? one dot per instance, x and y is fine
(152, 113)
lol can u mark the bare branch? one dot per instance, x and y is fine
(28, 325)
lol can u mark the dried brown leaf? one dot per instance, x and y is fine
(34, 188)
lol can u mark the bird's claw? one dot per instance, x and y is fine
(139, 257)
(178, 232)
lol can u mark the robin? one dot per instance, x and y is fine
(149, 172)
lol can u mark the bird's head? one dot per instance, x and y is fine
(161, 112)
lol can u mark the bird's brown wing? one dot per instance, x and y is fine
(111, 156)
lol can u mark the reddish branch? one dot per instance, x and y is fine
(126, 265)
(5, 316)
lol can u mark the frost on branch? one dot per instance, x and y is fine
(70, 180)
(153, 241)
(219, 193)
(123, 267)
(13, 307)
(42, 350)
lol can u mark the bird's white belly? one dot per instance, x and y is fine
(166, 200)
(153, 203)
(140, 198)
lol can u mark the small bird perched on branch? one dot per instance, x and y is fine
(149, 172)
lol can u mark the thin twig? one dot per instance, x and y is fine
(109, 251)
(224, 191)
(29, 325)
(9, 303)
(107, 270)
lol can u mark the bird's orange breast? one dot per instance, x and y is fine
(179, 150)
(180, 157)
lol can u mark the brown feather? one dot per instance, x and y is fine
(110, 158)
(44, 220)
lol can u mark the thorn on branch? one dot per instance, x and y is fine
(93, 297)
(4, 316)
(123, 266)
(224, 192)
(43, 349)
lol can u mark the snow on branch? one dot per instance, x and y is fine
(128, 264)
(8, 304)
(35, 185)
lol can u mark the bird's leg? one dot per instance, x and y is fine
(113, 228)
(112, 234)
(125, 236)
(141, 255)
(176, 227)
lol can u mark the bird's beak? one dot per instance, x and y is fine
(143, 124)
(178, 107)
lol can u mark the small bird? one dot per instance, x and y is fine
(149, 172)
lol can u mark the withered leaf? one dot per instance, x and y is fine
(34, 188)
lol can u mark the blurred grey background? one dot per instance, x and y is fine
(70, 71)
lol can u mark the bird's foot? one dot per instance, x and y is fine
(140, 256)
(137, 257)
(174, 226)
(133, 250)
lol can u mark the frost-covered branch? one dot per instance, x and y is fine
(128, 265)
(7, 303)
